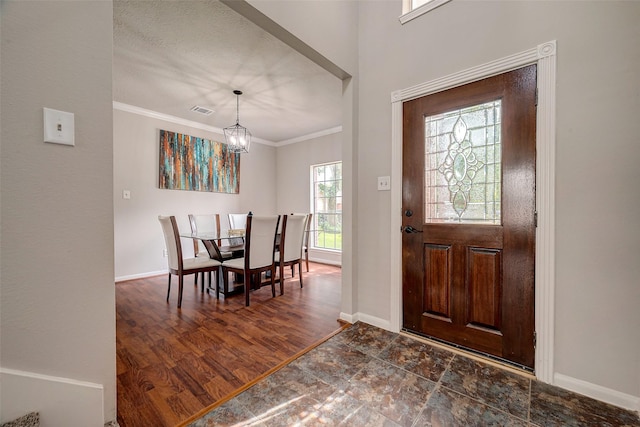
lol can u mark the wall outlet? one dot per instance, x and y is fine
(164, 253)
(384, 183)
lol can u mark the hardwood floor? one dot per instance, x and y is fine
(173, 363)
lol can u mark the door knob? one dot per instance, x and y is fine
(410, 230)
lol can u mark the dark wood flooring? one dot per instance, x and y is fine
(174, 363)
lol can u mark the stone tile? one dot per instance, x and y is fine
(395, 393)
(283, 387)
(231, 413)
(298, 412)
(552, 406)
(366, 338)
(492, 386)
(417, 357)
(345, 411)
(451, 409)
(333, 362)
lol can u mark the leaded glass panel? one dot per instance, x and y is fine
(462, 165)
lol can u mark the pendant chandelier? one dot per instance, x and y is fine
(238, 137)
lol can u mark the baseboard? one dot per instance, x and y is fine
(371, 320)
(140, 276)
(597, 392)
(325, 257)
(329, 258)
(59, 401)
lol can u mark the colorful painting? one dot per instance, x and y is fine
(197, 164)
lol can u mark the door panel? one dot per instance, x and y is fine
(468, 266)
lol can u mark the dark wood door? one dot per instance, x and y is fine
(469, 215)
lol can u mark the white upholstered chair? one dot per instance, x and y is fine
(291, 241)
(203, 224)
(237, 221)
(177, 264)
(260, 243)
(307, 236)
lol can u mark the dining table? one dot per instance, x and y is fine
(228, 242)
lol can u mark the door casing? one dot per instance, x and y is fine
(544, 55)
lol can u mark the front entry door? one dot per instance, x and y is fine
(468, 240)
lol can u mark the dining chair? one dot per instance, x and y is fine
(307, 234)
(259, 250)
(305, 245)
(291, 241)
(203, 224)
(177, 264)
(237, 221)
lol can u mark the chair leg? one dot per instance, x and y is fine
(300, 271)
(225, 283)
(281, 279)
(180, 286)
(217, 277)
(306, 257)
(247, 285)
(273, 281)
(293, 271)
(169, 288)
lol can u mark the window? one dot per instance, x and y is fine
(327, 206)
(463, 167)
(414, 8)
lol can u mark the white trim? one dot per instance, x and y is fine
(370, 320)
(75, 402)
(545, 56)
(62, 380)
(141, 275)
(177, 120)
(546, 207)
(197, 125)
(597, 392)
(302, 138)
(421, 10)
(325, 256)
(396, 218)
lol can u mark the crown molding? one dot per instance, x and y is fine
(179, 121)
(318, 134)
(197, 125)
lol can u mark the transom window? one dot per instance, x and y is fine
(327, 206)
(413, 8)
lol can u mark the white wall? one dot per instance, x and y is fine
(294, 164)
(597, 346)
(138, 237)
(57, 312)
(596, 181)
(331, 29)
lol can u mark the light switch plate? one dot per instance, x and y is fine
(59, 127)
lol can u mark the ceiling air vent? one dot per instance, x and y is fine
(201, 110)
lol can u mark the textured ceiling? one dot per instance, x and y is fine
(172, 55)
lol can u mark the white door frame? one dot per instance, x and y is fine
(544, 55)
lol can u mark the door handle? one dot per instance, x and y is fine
(410, 230)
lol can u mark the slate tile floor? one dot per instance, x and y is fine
(366, 376)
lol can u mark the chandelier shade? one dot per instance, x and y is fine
(238, 137)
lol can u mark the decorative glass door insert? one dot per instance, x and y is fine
(462, 165)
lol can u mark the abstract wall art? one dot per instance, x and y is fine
(197, 164)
